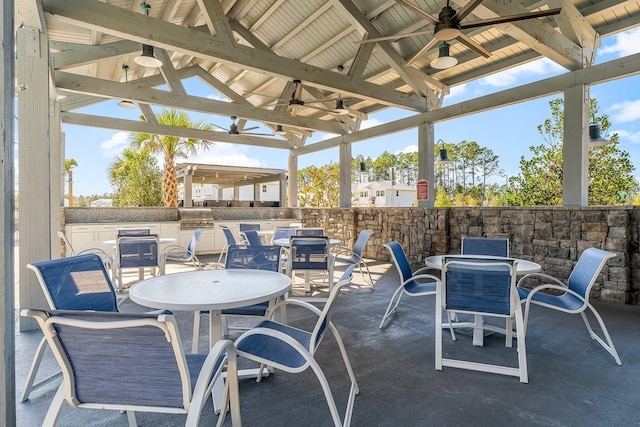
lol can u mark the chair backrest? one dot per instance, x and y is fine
(66, 241)
(191, 249)
(257, 257)
(246, 226)
(325, 315)
(89, 347)
(400, 260)
(284, 232)
(309, 253)
(310, 232)
(76, 283)
(479, 285)
(229, 235)
(586, 271)
(138, 251)
(361, 242)
(494, 246)
(252, 237)
(134, 232)
(296, 224)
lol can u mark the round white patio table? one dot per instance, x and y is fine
(522, 267)
(285, 241)
(212, 290)
(161, 240)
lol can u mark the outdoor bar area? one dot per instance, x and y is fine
(240, 303)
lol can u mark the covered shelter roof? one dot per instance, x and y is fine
(227, 176)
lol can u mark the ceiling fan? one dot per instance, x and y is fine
(448, 26)
(297, 102)
(233, 129)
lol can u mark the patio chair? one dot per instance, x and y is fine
(106, 259)
(310, 254)
(251, 237)
(310, 232)
(482, 287)
(292, 350)
(574, 297)
(188, 254)
(413, 284)
(284, 232)
(139, 252)
(241, 256)
(159, 377)
(248, 226)
(354, 256)
(79, 282)
(494, 246)
(230, 241)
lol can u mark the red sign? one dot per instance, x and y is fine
(423, 189)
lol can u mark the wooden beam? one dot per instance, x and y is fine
(108, 89)
(128, 25)
(159, 129)
(612, 70)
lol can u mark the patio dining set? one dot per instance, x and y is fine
(85, 313)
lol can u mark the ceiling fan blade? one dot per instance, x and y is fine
(467, 8)
(219, 127)
(251, 128)
(395, 37)
(424, 50)
(335, 98)
(418, 11)
(509, 18)
(258, 134)
(471, 44)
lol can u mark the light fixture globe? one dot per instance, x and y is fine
(595, 136)
(126, 104)
(147, 59)
(443, 61)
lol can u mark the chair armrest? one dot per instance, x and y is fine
(174, 248)
(430, 277)
(96, 251)
(292, 301)
(420, 271)
(543, 276)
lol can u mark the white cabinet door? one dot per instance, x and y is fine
(90, 236)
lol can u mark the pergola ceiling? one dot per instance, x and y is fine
(251, 51)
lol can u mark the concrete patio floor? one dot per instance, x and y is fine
(572, 380)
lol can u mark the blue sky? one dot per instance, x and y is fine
(508, 131)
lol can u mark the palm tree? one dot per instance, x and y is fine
(171, 147)
(69, 164)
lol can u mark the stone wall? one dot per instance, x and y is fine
(554, 237)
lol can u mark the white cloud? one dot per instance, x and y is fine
(115, 145)
(458, 90)
(626, 111)
(408, 149)
(624, 44)
(217, 97)
(226, 154)
(628, 137)
(369, 123)
(513, 75)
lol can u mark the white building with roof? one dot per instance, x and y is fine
(383, 194)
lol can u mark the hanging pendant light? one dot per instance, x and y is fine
(595, 136)
(340, 109)
(124, 103)
(147, 59)
(443, 61)
(443, 158)
(363, 169)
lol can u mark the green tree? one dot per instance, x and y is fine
(136, 179)
(540, 179)
(172, 147)
(69, 164)
(319, 187)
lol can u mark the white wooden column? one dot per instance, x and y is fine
(7, 273)
(425, 161)
(35, 165)
(187, 183)
(293, 181)
(57, 176)
(282, 190)
(256, 192)
(345, 175)
(575, 149)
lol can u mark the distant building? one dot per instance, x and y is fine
(102, 203)
(269, 192)
(383, 194)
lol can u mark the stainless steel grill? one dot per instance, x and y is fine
(192, 218)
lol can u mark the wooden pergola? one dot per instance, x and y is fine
(282, 63)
